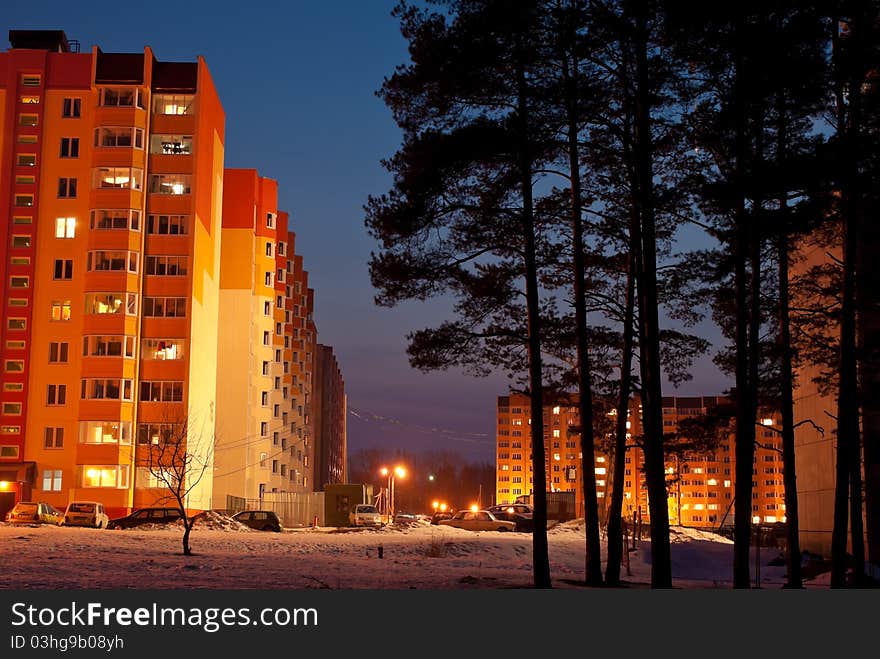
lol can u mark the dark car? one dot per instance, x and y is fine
(145, 516)
(262, 520)
(436, 517)
(519, 513)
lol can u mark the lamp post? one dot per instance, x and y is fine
(398, 472)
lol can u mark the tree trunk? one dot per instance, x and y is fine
(649, 323)
(615, 514)
(745, 415)
(593, 560)
(540, 556)
(794, 578)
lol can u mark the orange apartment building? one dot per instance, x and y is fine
(264, 435)
(129, 307)
(701, 487)
(110, 272)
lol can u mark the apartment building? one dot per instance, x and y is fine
(265, 429)
(330, 407)
(112, 183)
(701, 486)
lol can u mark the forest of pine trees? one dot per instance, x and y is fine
(553, 151)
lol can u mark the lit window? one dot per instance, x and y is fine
(600, 471)
(105, 476)
(52, 480)
(65, 227)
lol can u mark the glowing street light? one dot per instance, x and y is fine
(398, 472)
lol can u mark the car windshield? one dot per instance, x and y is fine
(367, 509)
(82, 508)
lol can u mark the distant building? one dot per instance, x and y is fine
(330, 412)
(701, 486)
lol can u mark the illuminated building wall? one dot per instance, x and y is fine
(110, 264)
(700, 486)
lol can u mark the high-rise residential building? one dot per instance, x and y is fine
(330, 411)
(701, 485)
(267, 337)
(112, 181)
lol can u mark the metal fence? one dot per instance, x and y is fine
(293, 508)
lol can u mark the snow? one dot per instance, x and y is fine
(417, 555)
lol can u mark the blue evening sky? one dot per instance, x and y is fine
(297, 81)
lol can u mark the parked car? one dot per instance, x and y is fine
(519, 513)
(262, 520)
(145, 516)
(34, 512)
(86, 513)
(436, 517)
(365, 514)
(405, 518)
(479, 520)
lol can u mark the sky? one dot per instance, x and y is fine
(297, 80)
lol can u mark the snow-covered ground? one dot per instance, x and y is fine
(228, 556)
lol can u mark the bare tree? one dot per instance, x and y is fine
(177, 462)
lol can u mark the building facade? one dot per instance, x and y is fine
(331, 442)
(264, 438)
(700, 486)
(110, 265)
(149, 297)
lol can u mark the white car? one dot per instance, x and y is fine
(477, 520)
(86, 513)
(365, 514)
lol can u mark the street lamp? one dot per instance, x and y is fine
(398, 472)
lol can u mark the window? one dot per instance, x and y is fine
(267, 308)
(21, 242)
(173, 104)
(53, 438)
(27, 120)
(162, 349)
(24, 179)
(22, 219)
(60, 310)
(12, 409)
(165, 391)
(63, 269)
(172, 225)
(65, 227)
(171, 145)
(108, 346)
(267, 279)
(14, 366)
(118, 218)
(124, 97)
(52, 480)
(56, 394)
(67, 188)
(24, 200)
(105, 432)
(266, 338)
(112, 261)
(126, 178)
(270, 220)
(173, 184)
(71, 108)
(268, 248)
(110, 303)
(264, 428)
(152, 433)
(165, 307)
(172, 266)
(106, 389)
(26, 160)
(280, 276)
(105, 476)
(264, 398)
(58, 352)
(30, 80)
(119, 136)
(69, 147)
(16, 323)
